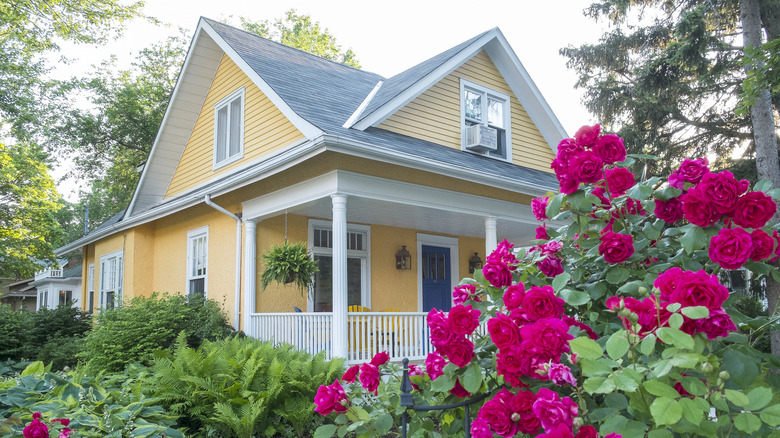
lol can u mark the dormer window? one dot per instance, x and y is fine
(485, 117)
(229, 129)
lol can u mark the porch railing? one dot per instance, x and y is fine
(400, 334)
(48, 273)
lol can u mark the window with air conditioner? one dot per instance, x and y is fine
(229, 129)
(485, 120)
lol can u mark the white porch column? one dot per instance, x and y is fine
(340, 303)
(491, 241)
(250, 274)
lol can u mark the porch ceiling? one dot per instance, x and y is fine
(372, 200)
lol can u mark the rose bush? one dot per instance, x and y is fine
(633, 336)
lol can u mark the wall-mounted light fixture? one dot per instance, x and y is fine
(475, 263)
(403, 260)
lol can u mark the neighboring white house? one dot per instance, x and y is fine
(58, 286)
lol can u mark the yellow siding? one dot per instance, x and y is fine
(265, 130)
(435, 114)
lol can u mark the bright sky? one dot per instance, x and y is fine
(389, 37)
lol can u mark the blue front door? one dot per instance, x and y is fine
(436, 278)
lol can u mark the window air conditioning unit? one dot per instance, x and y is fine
(481, 138)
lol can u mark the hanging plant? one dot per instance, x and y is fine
(288, 263)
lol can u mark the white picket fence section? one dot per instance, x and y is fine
(400, 334)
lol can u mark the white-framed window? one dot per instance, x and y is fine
(229, 129)
(111, 271)
(91, 288)
(485, 121)
(358, 265)
(43, 299)
(66, 296)
(197, 260)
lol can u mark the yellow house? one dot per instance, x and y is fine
(262, 143)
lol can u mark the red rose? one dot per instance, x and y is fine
(698, 209)
(503, 331)
(667, 282)
(553, 410)
(587, 167)
(458, 390)
(722, 190)
(369, 377)
(559, 431)
(610, 149)
(328, 399)
(587, 432)
(616, 247)
(692, 170)
(731, 248)
(463, 319)
(550, 266)
(497, 274)
(460, 352)
(550, 335)
(541, 302)
(763, 245)
(434, 364)
(441, 333)
(480, 428)
(522, 403)
(650, 315)
(503, 254)
(539, 208)
(63, 421)
(513, 296)
(754, 209)
(36, 429)
(499, 416)
(669, 211)
(351, 374)
(380, 358)
(541, 232)
(619, 180)
(509, 364)
(587, 135)
(718, 324)
(463, 293)
(699, 289)
(567, 150)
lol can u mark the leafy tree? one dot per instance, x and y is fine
(28, 202)
(298, 30)
(669, 75)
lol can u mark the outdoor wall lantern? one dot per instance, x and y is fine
(403, 260)
(475, 263)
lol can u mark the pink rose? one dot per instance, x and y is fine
(458, 390)
(676, 181)
(616, 247)
(619, 180)
(650, 315)
(463, 319)
(587, 432)
(480, 428)
(369, 377)
(587, 167)
(434, 365)
(65, 433)
(718, 324)
(503, 254)
(553, 410)
(669, 211)
(513, 296)
(551, 247)
(692, 170)
(550, 266)
(731, 248)
(763, 245)
(380, 358)
(541, 232)
(36, 429)
(698, 209)
(541, 302)
(587, 135)
(415, 370)
(498, 414)
(63, 421)
(567, 150)
(509, 364)
(699, 289)
(460, 352)
(497, 274)
(560, 374)
(722, 190)
(667, 282)
(503, 331)
(351, 374)
(331, 398)
(600, 192)
(754, 209)
(559, 431)
(549, 335)
(522, 404)
(441, 333)
(463, 293)
(610, 149)
(539, 208)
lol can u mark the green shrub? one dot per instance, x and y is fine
(132, 333)
(96, 407)
(12, 333)
(242, 387)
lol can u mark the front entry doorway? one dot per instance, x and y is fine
(436, 278)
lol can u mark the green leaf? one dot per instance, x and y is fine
(693, 239)
(598, 385)
(325, 431)
(665, 410)
(443, 383)
(759, 397)
(692, 411)
(586, 348)
(598, 367)
(472, 378)
(554, 206)
(617, 275)
(763, 186)
(676, 321)
(771, 415)
(574, 298)
(695, 312)
(648, 345)
(667, 193)
(660, 433)
(642, 191)
(739, 398)
(660, 389)
(383, 424)
(675, 337)
(624, 380)
(560, 281)
(617, 345)
(742, 368)
(747, 422)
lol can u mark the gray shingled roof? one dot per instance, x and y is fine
(326, 93)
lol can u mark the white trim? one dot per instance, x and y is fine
(118, 279)
(359, 111)
(507, 115)
(191, 236)
(365, 256)
(227, 102)
(443, 242)
(90, 287)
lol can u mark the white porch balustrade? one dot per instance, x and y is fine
(400, 334)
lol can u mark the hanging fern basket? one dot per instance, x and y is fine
(288, 263)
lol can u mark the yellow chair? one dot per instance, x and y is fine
(393, 331)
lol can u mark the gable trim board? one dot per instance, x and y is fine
(508, 64)
(202, 56)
